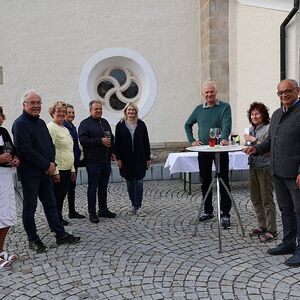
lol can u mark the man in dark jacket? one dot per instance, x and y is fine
(283, 143)
(97, 142)
(37, 154)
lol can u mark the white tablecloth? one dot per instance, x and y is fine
(186, 162)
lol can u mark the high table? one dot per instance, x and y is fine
(217, 150)
(187, 162)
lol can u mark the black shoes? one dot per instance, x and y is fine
(225, 222)
(294, 261)
(94, 219)
(107, 214)
(282, 249)
(206, 217)
(37, 246)
(67, 239)
(76, 215)
(64, 222)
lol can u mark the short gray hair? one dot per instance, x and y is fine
(209, 82)
(92, 102)
(25, 96)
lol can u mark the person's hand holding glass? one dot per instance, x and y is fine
(107, 137)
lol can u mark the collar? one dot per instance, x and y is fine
(206, 106)
(285, 110)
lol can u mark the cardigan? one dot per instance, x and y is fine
(283, 142)
(6, 138)
(134, 156)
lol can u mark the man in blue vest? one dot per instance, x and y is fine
(283, 143)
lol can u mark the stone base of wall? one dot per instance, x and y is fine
(160, 151)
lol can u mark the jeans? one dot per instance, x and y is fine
(135, 191)
(71, 194)
(98, 177)
(205, 161)
(288, 198)
(41, 187)
(61, 189)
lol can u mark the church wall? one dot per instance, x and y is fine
(45, 44)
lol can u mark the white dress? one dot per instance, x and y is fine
(8, 213)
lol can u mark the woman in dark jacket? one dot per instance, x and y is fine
(132, 149)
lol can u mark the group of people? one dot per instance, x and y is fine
(274, 159)
(47, 158)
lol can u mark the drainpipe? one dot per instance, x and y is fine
(282, 39)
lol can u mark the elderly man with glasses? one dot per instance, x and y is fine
(283, 143)
(37, 154)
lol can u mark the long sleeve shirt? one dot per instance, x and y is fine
(217, 116)
(63, 142)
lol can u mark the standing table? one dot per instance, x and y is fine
(218, 180)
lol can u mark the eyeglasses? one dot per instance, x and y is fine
(286, 92)
(33, 103)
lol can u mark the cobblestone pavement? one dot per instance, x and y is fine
(152, 257)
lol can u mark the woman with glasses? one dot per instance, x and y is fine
(64, 155)
(261, 184)
(8, 160)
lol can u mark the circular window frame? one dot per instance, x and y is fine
(126, 59)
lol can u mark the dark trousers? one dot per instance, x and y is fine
(61, 189)
(98, 177)
(205, 161)
(71, 194)
(288, 198)
(41, 187)
(135, 191)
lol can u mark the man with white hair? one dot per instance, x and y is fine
(37, 154)
(213, 113)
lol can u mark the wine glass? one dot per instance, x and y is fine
(7, 148)
(234, 136)
(212, 137)
(212, 133)
(107, 135)
(218, 132)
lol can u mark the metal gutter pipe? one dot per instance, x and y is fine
(282, 39)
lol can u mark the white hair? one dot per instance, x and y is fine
(25, 96)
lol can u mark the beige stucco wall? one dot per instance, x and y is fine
(45, 44)
(255, 58)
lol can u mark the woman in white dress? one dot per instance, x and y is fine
(8, 159)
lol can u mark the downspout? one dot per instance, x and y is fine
(282, 39)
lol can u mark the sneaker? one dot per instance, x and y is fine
(37, 246)
(140, 212)
(225, 222)
(67, 238)
(107, 214)
(206, 217)
(132, 210)
(76, 215)
(94, 219)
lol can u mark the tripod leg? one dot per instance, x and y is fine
(201, 206)
(219, 214)
(234, 206)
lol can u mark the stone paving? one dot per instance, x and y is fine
(152, 257)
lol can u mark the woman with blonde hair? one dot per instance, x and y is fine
(64, 156)
(132, 149)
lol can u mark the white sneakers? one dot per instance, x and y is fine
(139, 212)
